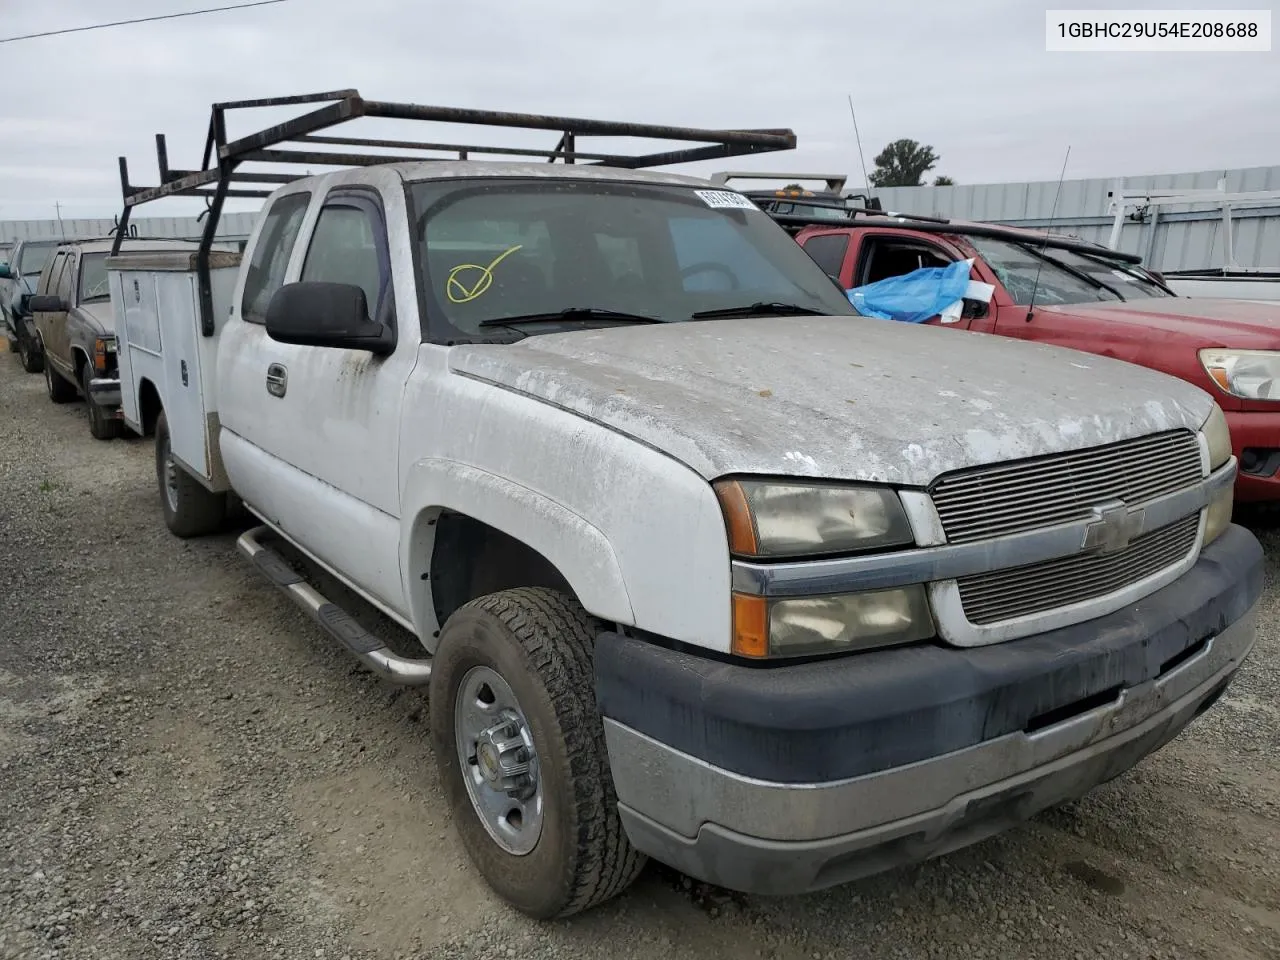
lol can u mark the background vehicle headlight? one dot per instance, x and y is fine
(1218, 436)
(772, 519)
(801, 626)
(1249, 374)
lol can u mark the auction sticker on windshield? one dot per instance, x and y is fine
(725, 200)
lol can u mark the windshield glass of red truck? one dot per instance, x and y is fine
(572, 253)
(1025, 271)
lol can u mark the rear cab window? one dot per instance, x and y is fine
(270, 259)
(828, 251)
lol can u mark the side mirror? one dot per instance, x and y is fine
(318, 314)
(45, 303)
(5, 272)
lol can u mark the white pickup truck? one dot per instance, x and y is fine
(703, 566)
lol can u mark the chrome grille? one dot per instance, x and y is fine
(1037, 587)
(1063, 487)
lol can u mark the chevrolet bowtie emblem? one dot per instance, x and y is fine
(1114, 525)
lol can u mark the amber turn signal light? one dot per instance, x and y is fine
(750, 626)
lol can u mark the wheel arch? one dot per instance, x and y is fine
(456, 514)
(150, 406)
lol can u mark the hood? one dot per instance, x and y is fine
(848, 398)
(1207, 322)
(99, 313)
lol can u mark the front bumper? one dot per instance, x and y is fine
(796, 778)
(1255, 430)
(105, 391)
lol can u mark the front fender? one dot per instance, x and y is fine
(579, 550)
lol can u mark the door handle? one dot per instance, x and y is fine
(277, 379)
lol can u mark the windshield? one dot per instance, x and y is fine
(504, 248)
(34, 257)
(1126, 279)
(1062, 276)
(93, 277)
(1022, 273)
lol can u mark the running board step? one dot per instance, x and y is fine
(367, 648)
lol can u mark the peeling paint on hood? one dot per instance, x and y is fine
(844, 398)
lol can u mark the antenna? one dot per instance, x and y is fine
(858, 138)
(1053, 212)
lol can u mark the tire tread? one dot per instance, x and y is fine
(558, 637)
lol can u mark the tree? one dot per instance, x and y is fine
(943, 181)
(902, 164)
(794, 186)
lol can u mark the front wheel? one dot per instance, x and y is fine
(521, 753)
(60, 389)
(190, 510)
(32, 359)
(103, 423)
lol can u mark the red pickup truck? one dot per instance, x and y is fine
(1086, 297)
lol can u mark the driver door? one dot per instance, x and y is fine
(52, 326)
(323, 422)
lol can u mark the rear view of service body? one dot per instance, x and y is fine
(703, 566)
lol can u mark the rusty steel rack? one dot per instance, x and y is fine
(219, 177)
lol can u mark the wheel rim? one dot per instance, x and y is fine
(170, 470)
(498, 760)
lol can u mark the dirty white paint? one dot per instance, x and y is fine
(596, 447)
(903, 416)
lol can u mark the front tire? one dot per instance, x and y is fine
(32, 359)
(103, 424)
(189, 509)
(515, 731)
(60, 390)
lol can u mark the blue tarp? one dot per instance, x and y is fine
(913, 297)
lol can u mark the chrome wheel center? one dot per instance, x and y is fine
(498, 760)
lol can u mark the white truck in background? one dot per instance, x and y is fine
(704, 567)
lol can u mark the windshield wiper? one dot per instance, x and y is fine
(1076, 272)
(1125, 269)
(571, 314)
(760, 309)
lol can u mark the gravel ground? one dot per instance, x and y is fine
(189, 769)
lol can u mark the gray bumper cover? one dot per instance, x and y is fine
(780, 838)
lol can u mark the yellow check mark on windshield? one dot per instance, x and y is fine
(467, 281)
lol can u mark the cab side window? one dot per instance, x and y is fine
(49, 279)
(271, 255)
(349, 245)
(66, 288)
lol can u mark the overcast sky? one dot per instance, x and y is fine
(972, 79)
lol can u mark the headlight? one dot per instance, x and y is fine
(103, 347)
(772, 519)
(1219, 437)
(1249, 374)
(1218, 516)
(800, 626)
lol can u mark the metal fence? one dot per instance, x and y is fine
(1182, 237)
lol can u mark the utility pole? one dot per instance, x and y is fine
(62, 231)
